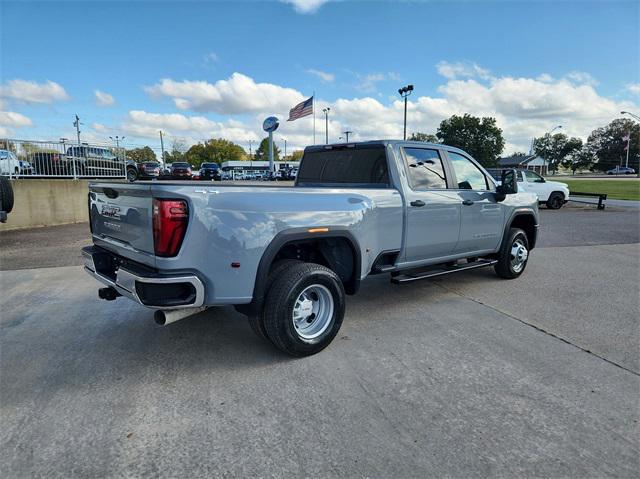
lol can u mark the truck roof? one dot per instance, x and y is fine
(355, 144)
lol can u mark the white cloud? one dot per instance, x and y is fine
(10, 120)
(32, 92)
(238, 94)
(523, 107)
(634, 88)
(103, 99)
(211, 57)
(461, 70)
(306, 6)
(324, 76)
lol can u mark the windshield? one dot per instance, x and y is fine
(209, 165)
(180, 165)
(363, 166)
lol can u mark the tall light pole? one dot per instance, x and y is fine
(404, 92)
(117, 139)
(347, 133)
(285, 147)
(250, 153)
(637, 118)
(326, 124)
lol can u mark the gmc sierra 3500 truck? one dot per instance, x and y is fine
(286, 256)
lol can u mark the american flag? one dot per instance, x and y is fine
(304, 108)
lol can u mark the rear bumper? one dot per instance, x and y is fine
(140, 284)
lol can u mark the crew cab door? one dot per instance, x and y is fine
(534, 183)
(482, 217)
(433, 211)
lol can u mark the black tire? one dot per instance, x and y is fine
(6, 195)
(280, 302)
(504, 267)
(256, 321)
(555, 201)
(132, 174)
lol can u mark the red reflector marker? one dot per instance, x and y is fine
(170, 219)
(235, 265)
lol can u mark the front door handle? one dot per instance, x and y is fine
(418, 203)
(467, 202)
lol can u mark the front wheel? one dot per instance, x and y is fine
(513, 255)
(555, 201)
(132, 174)
(304, 309)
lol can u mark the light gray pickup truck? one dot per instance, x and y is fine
(286, 256)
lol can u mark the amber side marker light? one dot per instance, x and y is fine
(318, 230)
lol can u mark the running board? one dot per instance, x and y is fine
(408, 277)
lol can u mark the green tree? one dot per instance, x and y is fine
(557, 149)
(426, 137)
(178, 148)
(262, 153)
(480, 137)
(141, 155)
(296, 155)
(582, 159)
(215, 150)
(609, 145)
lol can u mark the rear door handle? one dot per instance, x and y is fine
(417, 203)
(467, 202)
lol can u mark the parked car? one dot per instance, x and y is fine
(552, 194)
(181, 170)
(287, 256)
(210, 171)
(621, 170)
(148, 170)
(85, 160)
(48, 163)
(9, 163)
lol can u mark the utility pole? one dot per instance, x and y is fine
(77, 125)
(161, 149)
(285, 148)
(326, 124)
(347, 133)
(404, 92)
(250, 154)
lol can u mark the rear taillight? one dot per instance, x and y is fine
(170, 218)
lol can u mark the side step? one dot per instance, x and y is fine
(439, 271)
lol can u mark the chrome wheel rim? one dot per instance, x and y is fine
(519, 255)
(312, 311)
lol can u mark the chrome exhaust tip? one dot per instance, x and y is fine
(168, 316)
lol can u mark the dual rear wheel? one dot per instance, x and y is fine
(303, 308)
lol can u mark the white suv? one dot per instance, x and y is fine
(553, 194)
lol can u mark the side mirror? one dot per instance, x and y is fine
(508, 186)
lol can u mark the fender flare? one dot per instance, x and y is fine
(297, 234)
(522, 212)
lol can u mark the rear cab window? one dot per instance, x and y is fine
(362, 166)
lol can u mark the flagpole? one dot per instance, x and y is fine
(313, 106)
(628, 148)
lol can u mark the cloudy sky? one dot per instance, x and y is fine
(216, 69)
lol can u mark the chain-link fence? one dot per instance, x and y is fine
(26, 159)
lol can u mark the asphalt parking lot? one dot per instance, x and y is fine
(466, 376)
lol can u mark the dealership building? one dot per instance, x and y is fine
(239, 167)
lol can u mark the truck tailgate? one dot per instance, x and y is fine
(121, 216)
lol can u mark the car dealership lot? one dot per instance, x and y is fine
(465, 376)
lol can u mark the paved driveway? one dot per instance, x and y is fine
(465, 376)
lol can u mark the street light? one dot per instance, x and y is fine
(326, 124)
(548, 135)
(404, 92)
(117, 139)
(347, 133)
(285, 147)
(630, 114)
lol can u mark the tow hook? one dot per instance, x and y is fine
(108, 294)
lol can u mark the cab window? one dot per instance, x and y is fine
(468, 175)
(533, 177)
(425, 169)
